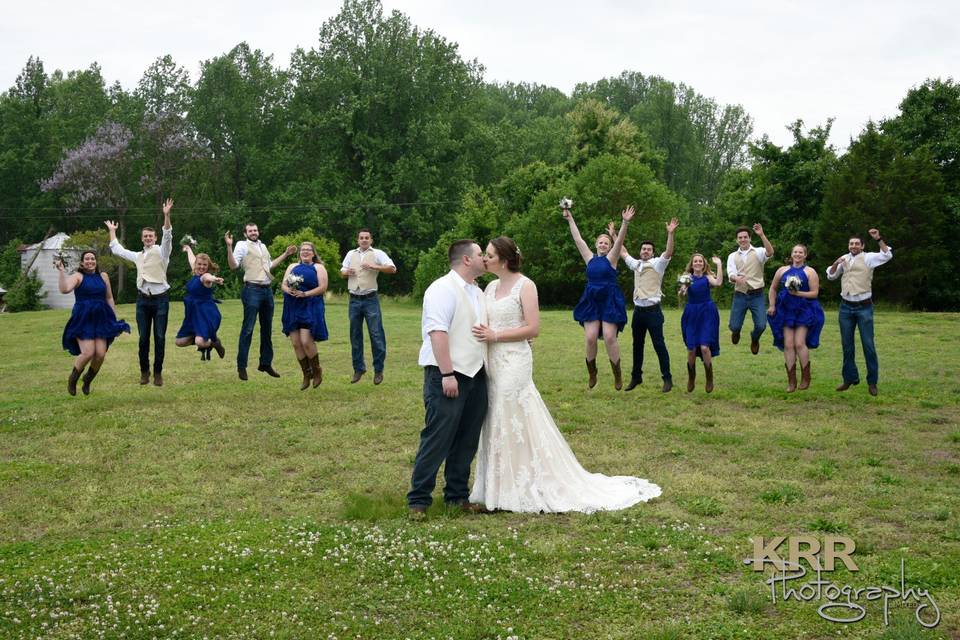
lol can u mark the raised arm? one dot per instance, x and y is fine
(758, 229)
(626, 216)
(292, 249)
(208, 280)
(115, 247)
(671, 230)
(717, 280)
(166, 238)
(582, 247)
(190, 257)
(66, 283)
(231, 259)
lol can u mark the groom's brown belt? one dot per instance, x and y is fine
(750, 292)
(361, 296)
(858, 303)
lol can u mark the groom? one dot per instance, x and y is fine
(454, 382)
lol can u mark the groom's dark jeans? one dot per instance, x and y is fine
(451, 433)
(152, 319)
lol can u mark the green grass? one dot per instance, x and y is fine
(217, 508)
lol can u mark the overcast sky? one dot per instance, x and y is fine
(814, 60)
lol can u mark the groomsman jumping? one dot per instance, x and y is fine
(855, 270)
(153, 299)
(745, 270)
(257, 295)
(360, 267)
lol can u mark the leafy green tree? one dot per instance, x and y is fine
(878, 184)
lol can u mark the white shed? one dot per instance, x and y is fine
(43, 267)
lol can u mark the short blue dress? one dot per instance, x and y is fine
(793, 311)
(92, 317)
(700, 322)
(305, 313)
(602, 299)
(201, 317)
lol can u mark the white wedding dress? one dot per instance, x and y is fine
(523, 462)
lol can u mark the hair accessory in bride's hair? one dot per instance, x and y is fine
(518, 252)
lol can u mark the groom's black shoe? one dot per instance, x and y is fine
(417, 512)
(267, 369)
(633, 383)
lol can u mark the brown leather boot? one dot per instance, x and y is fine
(88, 378)
(791, 378)
(804, 377)
(691, 377)
(317, 370)
(708, 369)
(307, 373)
(617, 375)
(592, 371)
(72, 381)
(218, 347)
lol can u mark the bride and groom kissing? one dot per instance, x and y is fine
(480, 400)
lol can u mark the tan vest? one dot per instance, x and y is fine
(751, 267)
(466, 353)
(150, 266)
(856, 277)
(362, 280)
(646, 283)
(256, 266)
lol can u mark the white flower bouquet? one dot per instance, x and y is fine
(188, 240)
(566, 203)
(294, 281)
(793, 283)
(685, 280)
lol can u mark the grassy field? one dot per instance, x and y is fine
(221, 509)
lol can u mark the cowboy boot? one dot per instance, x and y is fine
(72, 381)
(317, 370)
(791, 378)
(804, 376)
(307, 373)
(592, 371)
(88, 378)
(691, 376)
(708, 369)
(218, 347)
(617, 375)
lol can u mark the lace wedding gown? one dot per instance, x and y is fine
(523, 462)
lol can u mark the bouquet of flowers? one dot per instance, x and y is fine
(62, 259)
(294, 281)
(793, 283)
(566, 203)
(685, 280)
(188, 240)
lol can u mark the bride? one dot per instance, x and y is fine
(523, 462)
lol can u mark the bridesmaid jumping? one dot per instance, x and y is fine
(93, 323)
(201, 317)
(304, 284)
(602, 307)
(700, 322)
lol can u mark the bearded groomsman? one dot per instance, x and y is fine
(745, 270)
(360, 267)
(153, 299)
(855, 270)
(647, 315)
(257, 295)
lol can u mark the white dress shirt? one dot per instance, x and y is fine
(241, 249)
(380, 257)
(658, 264)
(166, 248)
(872, 260)
(732, 264)
(439, 305)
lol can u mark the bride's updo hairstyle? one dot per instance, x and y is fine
(508, 251)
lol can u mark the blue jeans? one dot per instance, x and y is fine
(738, 311)
(858, 318)
(257, 302)
(152, 318)
(450, 436)
(367, 309)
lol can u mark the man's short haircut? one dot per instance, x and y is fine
(747, 229)
(653, 247)
(365, 230)
(459, 249)
(150, 229)
(855, 236)
(250, 224)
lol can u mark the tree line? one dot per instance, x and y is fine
(382, 124)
